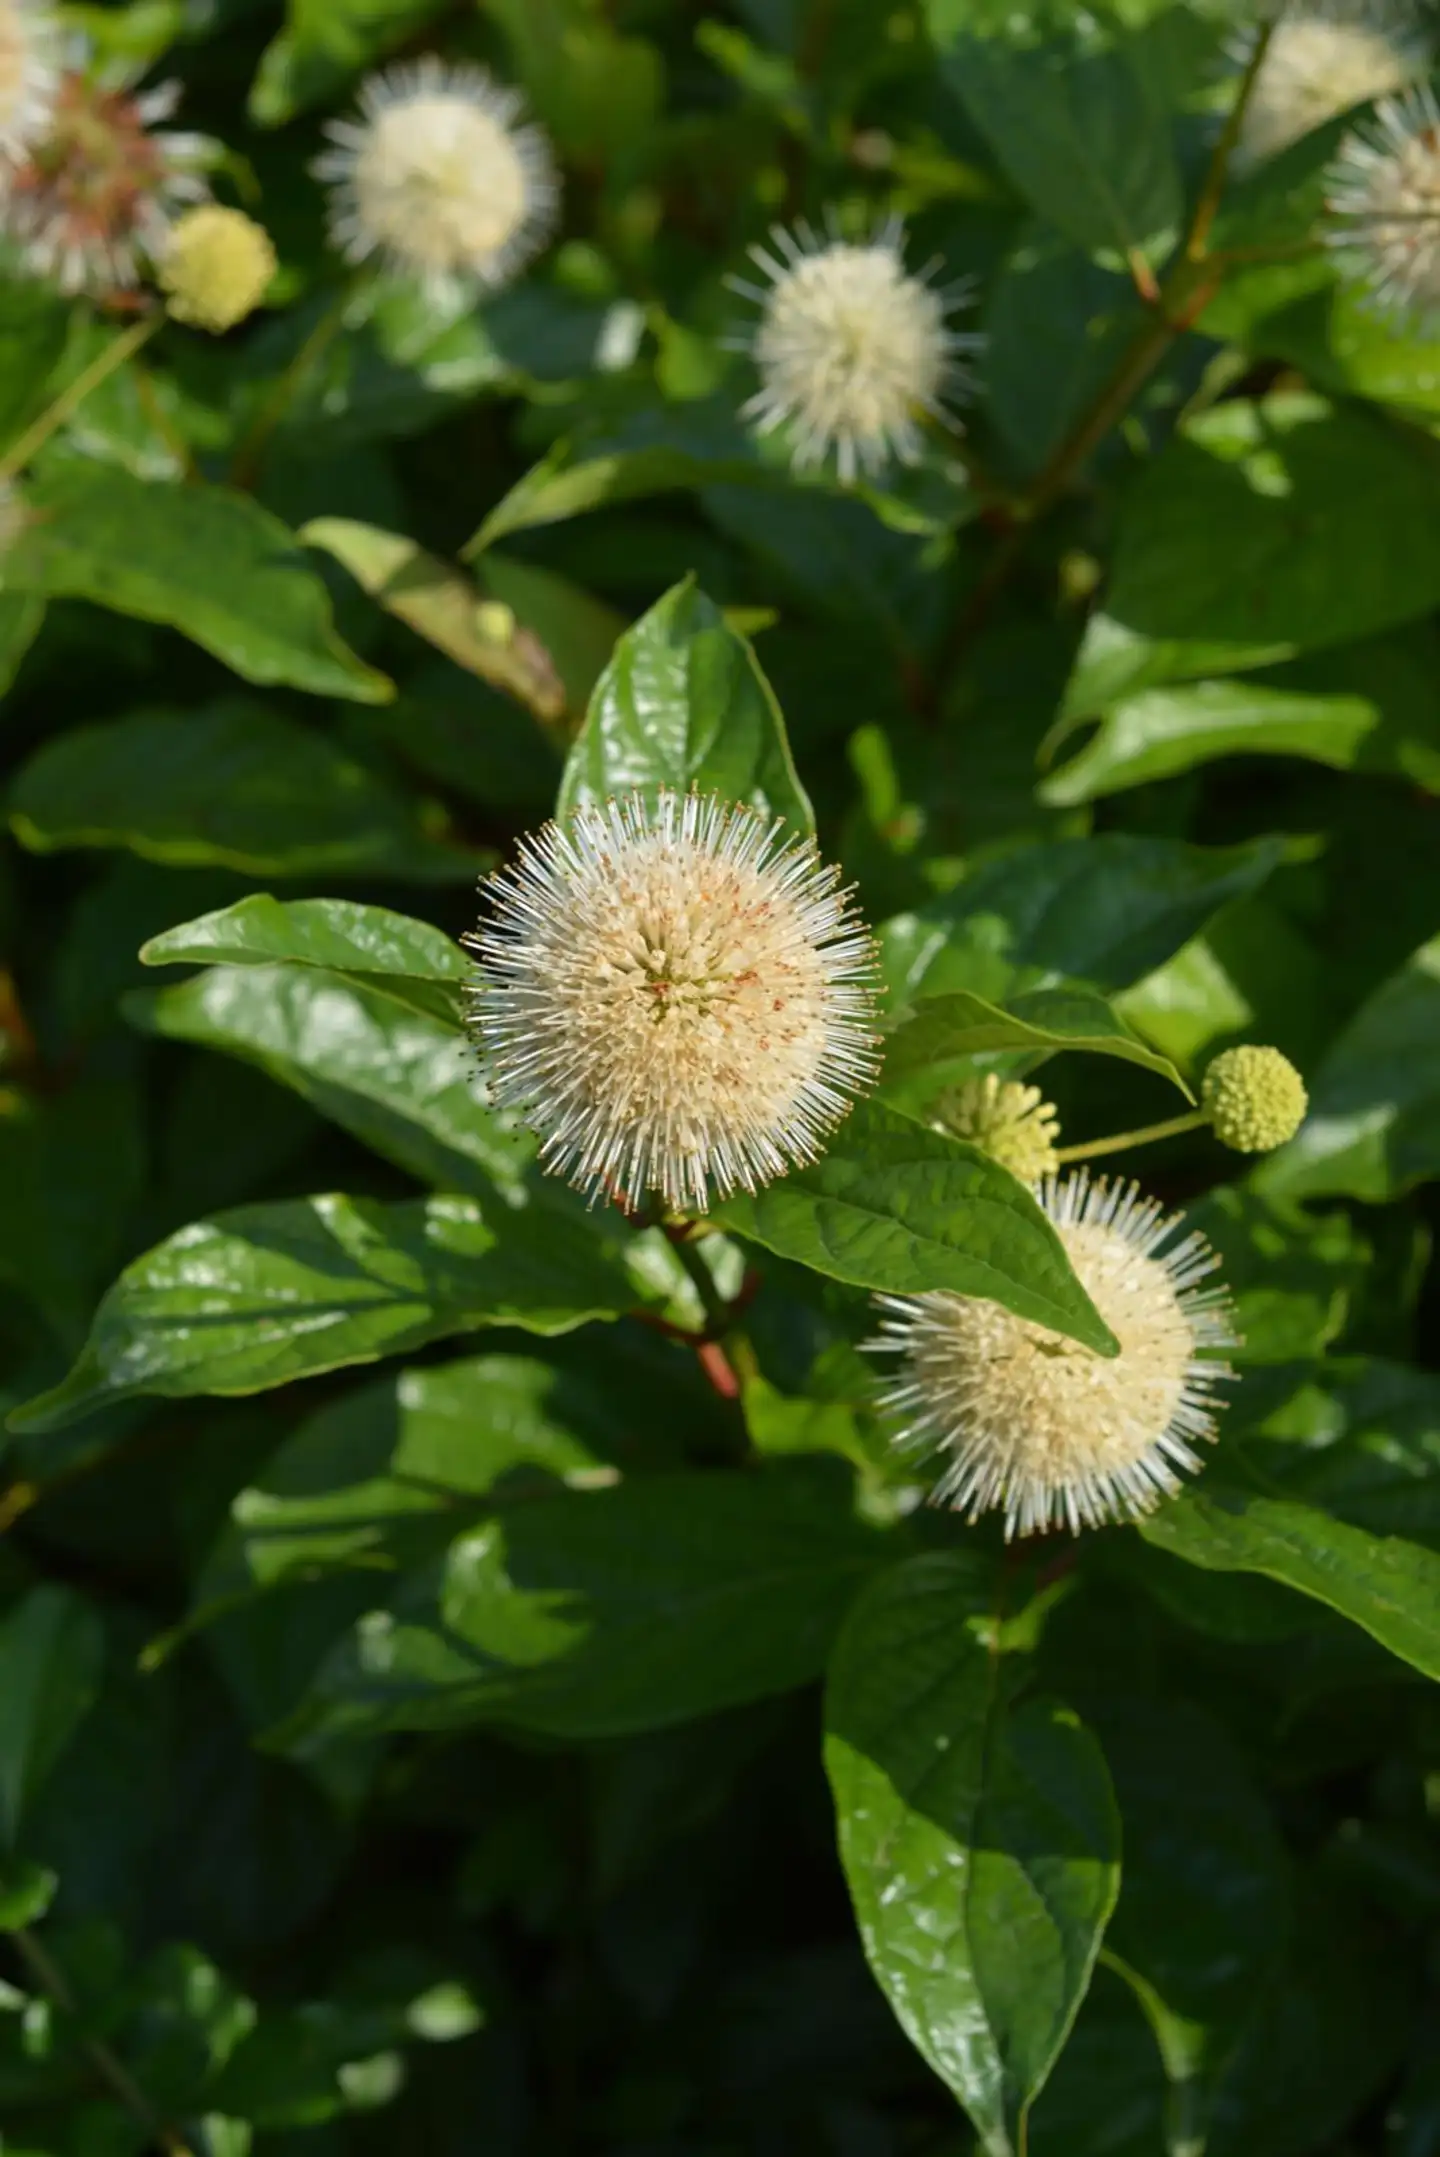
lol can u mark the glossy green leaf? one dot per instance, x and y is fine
(1292, 1277)
(1106, 910)
(230, 784)
(1373, 1129)
(52, 1649)
(209, 563)
(897, 1207)
(1386, 1585)
(1366, 707)
(592, 1613)
(422, 1446)
(1044, 1021)
(569, 484)
(26, 1893)
(323, 45)
(1201, 1923)
(409, 960)
(273, 1292)
(1076, 124)
(683, 704)
(400, 1080)
(1359, 1437)
(1263, 530)
(977, 1830)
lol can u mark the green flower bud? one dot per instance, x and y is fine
(1014, 1124)
(1255, 1099)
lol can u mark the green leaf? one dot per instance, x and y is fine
(412, 961)
(1373, 1129)
(440, 603)
(1201, 1923)
(323, 44)
(1264, 529)
(35, 326)
(684, 704)
(1107, 910)
(1076, 124)
(1389, 1587)
(272, 1292)
(228, 784)
(1366, 707)
(1044, 1021)
(897, 1207)
(212, 564)
(1291, 1276)
(417, 1447)
(1056, 326)
(52, 1649)
(977, 1831)
(590, 1614)
(21, 615)
(1359, 1437)
(568, 483)
(26, 1893)
(400, 1080)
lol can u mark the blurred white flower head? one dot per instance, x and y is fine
(440, 177)
(1024, 1418)
(675, 999)
(853, 351)
(94, 196)
(30, 60)
(1383, 198)
(1325, 56)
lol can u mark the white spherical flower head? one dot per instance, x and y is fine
(1383, 197)
(1324, 57)
(30, 58)
(852, 350)
(1024, 1418)
(438, 177)
(675, 999)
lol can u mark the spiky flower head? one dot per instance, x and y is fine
(1254, 1097)
(675, 999)
(1323, 57)
(216, 267)
(1011, 1122)
(852, 349)
(440, 177)
(96, 193)
(1383, 196)
(30, 45)
(1024, 1418)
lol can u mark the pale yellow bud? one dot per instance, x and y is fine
(215, 268)
(1014, 1124)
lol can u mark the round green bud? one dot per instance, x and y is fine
(1255, 1099)
(1014, 1124)
(215, 267)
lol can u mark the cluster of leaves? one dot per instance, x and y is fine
(431, 1760)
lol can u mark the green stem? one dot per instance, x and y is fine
(1197, 241)
(1194, 1120)
(48, 1974)
(70, 399)
(712, 1303)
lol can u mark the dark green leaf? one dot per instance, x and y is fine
(1077, 125)
(231, 784)
(26, 1893)
(1043, 1021)
(1388, 1586)
(273, 1292)
(684, 704)
(897, 1207)
(1263, 530)
(323, 44)
(1106, 910)
(1374, 1124)
(209, 563)
(401, 1081)
(593, 1613)
(52, 1649)
(977, 1831)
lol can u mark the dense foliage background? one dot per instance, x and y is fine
(430, 1759)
